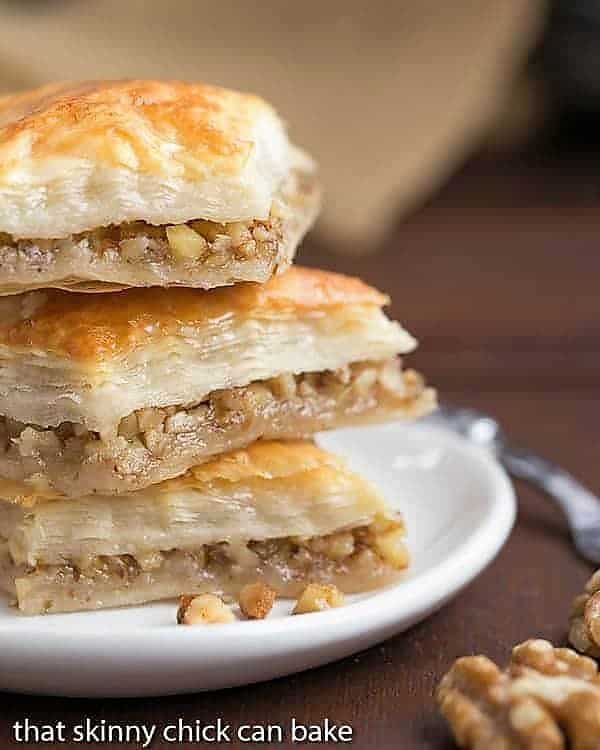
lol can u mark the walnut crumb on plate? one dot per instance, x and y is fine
(203, 609)
(256, 600)
(317, 597)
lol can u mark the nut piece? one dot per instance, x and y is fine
(317, 597)
(546, 698)
(584, 622)
(203, 609)
(185, 242)
(133, 248)
(256, 600)
(391, 547)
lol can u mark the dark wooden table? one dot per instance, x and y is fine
(498, 276)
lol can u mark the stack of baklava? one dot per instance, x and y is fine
(155, 434)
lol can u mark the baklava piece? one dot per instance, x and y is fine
(110, 184)
(110, 393)
(286, 514)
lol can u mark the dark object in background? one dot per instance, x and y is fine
(36, 6)
(569, 56)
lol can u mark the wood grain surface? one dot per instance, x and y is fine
(498, 277)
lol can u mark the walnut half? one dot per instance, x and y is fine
(546, 698)
(584, 624)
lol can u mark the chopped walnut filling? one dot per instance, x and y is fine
(157, 443)
(584, 630)
(284, 565)
(203, 242)
(546, 698)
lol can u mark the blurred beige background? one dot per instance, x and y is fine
(388, 96)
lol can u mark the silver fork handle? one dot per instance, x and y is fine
(578, 503)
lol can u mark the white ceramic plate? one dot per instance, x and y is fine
(459, 507)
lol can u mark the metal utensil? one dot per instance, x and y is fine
(580, 506)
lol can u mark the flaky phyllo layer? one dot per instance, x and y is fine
(77, 156)
(94, 359)
(285, 512)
